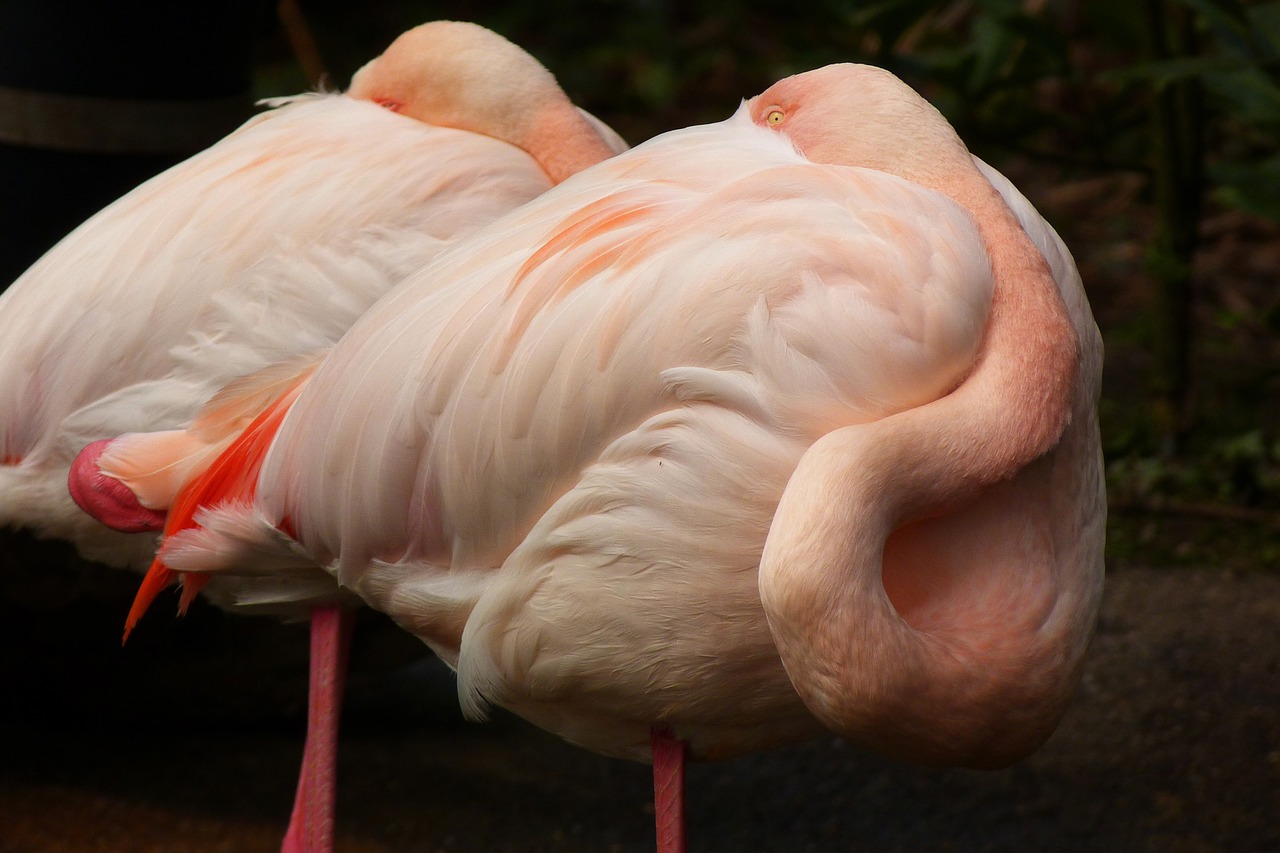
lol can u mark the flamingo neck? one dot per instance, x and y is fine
(563, 142)
(976, 693)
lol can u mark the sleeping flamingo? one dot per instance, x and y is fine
(267, 245)
(784, 420)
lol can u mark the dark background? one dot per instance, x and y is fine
(1144, 131)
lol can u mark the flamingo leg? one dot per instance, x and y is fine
(668, 790)
(311, 824)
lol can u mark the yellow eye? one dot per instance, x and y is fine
(775, 116)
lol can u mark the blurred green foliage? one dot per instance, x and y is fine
(1066, 80)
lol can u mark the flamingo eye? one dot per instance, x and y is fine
(774, 116)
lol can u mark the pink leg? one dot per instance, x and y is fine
(668, 790)
(311, 824)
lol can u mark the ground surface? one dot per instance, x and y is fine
(190, 739)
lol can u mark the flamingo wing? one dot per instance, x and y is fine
(506, 444)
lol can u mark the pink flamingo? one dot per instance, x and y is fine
(781, 421)
(265, 246)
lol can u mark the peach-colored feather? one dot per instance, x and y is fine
(578, 495)
(265, 246)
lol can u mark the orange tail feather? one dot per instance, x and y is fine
(158, 577)
(191, 586)
(232, 476)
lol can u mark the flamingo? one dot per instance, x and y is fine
(266, 246)
(771, 425)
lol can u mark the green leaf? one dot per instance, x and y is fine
(1225, 14)
(1162, 72)
(1235, 28)
(993, 48)
(1264, 21)
(1251, 187)
(1250, 93)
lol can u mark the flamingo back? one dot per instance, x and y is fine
(505, 453)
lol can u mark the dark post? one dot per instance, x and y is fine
(1177, 152)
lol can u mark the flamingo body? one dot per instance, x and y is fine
(269, 244)
(265, 246)
(560, 467)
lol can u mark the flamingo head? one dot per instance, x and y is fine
(460, 75)
(860, 115)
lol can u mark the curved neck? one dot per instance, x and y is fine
(929, 696)
(563, 142)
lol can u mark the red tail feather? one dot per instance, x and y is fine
(158, 577)
(232, 477)
(191, 586)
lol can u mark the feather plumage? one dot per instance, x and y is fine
(554, 454)
(265, 246)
